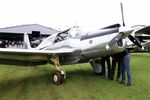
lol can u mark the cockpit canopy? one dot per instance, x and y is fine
(75, 33)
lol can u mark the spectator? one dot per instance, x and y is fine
(116, 59)
(125, 65)
(104, 71)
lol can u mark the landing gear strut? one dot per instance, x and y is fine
(59, 75)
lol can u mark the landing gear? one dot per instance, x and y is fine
(97, 67)
(59, 75)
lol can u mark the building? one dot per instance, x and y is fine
(12, 36)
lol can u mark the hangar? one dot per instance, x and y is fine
(11, 36)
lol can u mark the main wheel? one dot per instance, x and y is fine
(97, 67)
(58, 77)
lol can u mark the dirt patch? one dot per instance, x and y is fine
(11, 85)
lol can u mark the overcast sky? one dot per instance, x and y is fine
(90, 14)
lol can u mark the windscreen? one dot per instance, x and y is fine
(75, 33)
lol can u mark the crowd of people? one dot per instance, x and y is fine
(11, 44)
(121, 59)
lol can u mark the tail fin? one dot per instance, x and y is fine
(27, 44)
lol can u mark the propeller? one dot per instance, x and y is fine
(132, 38)
(122, 33)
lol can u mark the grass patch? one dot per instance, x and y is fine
(33, 83)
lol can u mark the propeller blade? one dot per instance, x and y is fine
(114, 40)
(135, 41)
(123, 23)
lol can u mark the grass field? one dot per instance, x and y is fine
(33, 83)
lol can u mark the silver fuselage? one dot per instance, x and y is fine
(91, 48)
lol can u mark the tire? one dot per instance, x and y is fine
(57, 77)
(97, 67)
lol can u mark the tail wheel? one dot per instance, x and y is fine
(58, 77)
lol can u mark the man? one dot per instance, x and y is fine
(125, 65)
(115, 59)
(123, 60)
(103, 60)
(3, 44)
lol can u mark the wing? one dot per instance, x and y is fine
(35, 51)
(145, 30)
(28, 56)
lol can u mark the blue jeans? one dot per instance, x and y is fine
(125, 64)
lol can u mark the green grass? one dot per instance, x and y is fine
(33, 83)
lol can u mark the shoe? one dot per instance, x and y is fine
(122, 82)
(128, 84)
(117, 80)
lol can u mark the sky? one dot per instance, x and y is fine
(63, 14)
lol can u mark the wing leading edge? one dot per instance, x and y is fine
(30, 57)
(35, 51)
(145, 30)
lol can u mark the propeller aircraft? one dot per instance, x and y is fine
(73, 46)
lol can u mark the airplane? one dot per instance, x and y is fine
(72, 46)
(69, 47)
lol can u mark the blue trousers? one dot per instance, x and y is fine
(125, 64)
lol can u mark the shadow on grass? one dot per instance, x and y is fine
(38, 79)
(22, 82)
